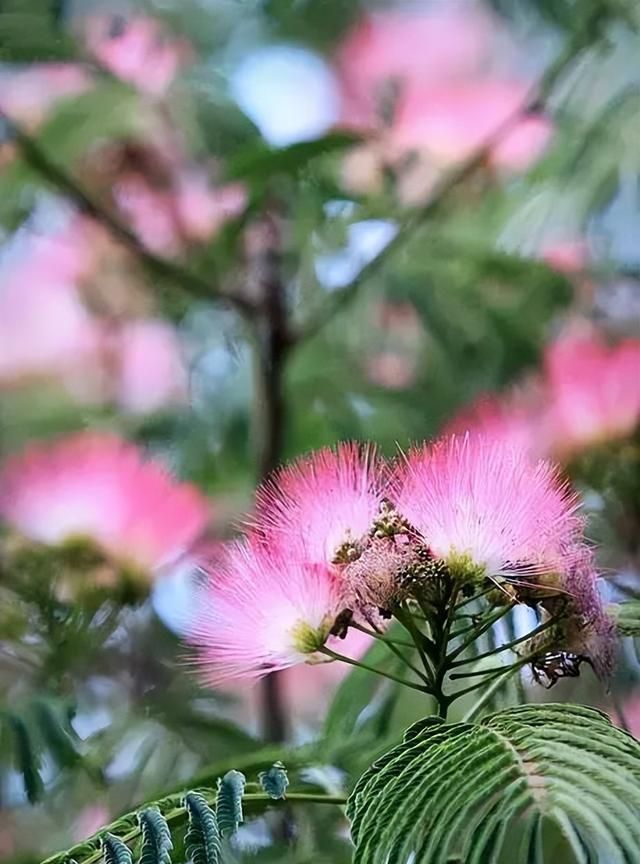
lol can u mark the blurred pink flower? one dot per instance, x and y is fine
(567, 256)
(189, 210)
(101, 488)
(321, 503)
(137, 51)
(451, 122)
(46, 333)
(89, 821)
(594, 389)
(391, 370)
(258, 613)
(393, 359)
(403, 47)
(150, 369)
(28, 94)
(425, 83)
(487, 509)
(150, 211)
(202, 209)
(517, 420)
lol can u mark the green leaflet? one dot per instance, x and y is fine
(156, 837)
(26, 756)
(466, 792)
(35, 728)
(229, 802)
(114, 851)
(202, 840)
(275, 780)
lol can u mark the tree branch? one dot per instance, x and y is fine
(185, 279)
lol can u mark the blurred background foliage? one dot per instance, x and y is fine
(194, 167)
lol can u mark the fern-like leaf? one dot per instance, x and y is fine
(627, 617)
(115, 851)
(229, 802)
(202, 840)
(156, 837)
(454, 792)
(275, 780)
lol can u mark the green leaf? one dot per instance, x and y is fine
(202, 840)
(56, 733)
(275, 780)
(258, 162)
(115, 851)
(461, 791)
(30, 30)
(26, 756)
(627, 617)
(229, 802)
(156, 837)
(110, 110)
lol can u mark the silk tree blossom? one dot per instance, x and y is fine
(98, 488)
(425, 86)
(398, 47)
(453, 121)
(517, 419)
(28, 94)
(137, 51)
(594, 390)
(323, 504)
(259, 612)
(150, 371)
(486, 509)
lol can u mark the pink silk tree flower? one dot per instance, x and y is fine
(322, 505)
(151, 372)
(486, 509)
(202, 209)
(258, 612)
(594, 390)
(450, 122)
(99, 488)
(150, 211)
(27, 95)
(392, 50)
(46, 333)
(517, 419)
(137, 51)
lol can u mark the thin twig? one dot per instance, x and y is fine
(539, 629)
(494, 688)
(478, 632)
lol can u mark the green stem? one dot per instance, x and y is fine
(478, 633)
(494, 688)
(335, 656)
(376, 634)
(503, 674)
(392, 646)
(422, 643)
(539, 629)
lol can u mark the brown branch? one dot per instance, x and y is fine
(185, 279)
(272, 344)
